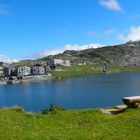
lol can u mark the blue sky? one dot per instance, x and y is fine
(35, 28)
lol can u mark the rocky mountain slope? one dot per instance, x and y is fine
(127, 54)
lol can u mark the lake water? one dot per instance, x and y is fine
(97, 91)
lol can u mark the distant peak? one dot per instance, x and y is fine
(136, 42)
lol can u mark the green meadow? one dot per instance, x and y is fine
(16, 124)
(75, 70)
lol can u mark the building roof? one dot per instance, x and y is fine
(38, 65)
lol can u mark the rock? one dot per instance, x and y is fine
(112, 111)
(132, 102)
(121, 107)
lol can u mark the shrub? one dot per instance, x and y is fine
(53, 109)
(18, 109)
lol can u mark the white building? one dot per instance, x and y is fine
(23, 71)
(52, 62)
(38, 70)
(66, 63)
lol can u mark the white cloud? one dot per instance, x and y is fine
(6, 59)
(4, 10)
(66, 47)
(111, 4)
(133, 34)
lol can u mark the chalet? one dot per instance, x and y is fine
(23, 71)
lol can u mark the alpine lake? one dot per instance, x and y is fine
(98, 91)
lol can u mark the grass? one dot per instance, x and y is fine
(74, 71)
(115, 68)
(69, 125)
(132, 69)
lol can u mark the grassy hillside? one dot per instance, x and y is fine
(74, 71)
(120, 55)
(69, 125)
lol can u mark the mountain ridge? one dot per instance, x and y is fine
(127, 54)
(123, 55)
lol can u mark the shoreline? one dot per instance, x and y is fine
(32, 78)
(37, 79)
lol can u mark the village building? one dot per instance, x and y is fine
(1, 72)
(1, 63)
(37, 70)
(10, 71)
(66, 63)
(1, 69)
(54, 62)
(57, 67)
(23, 71)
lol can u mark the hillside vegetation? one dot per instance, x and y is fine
(120, 57)
(69, 125)
(74, 71)
(125, 55)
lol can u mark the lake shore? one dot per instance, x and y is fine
(73, 71)
(31, 78)
(69, 124)
(76, 71)
(85, 70)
